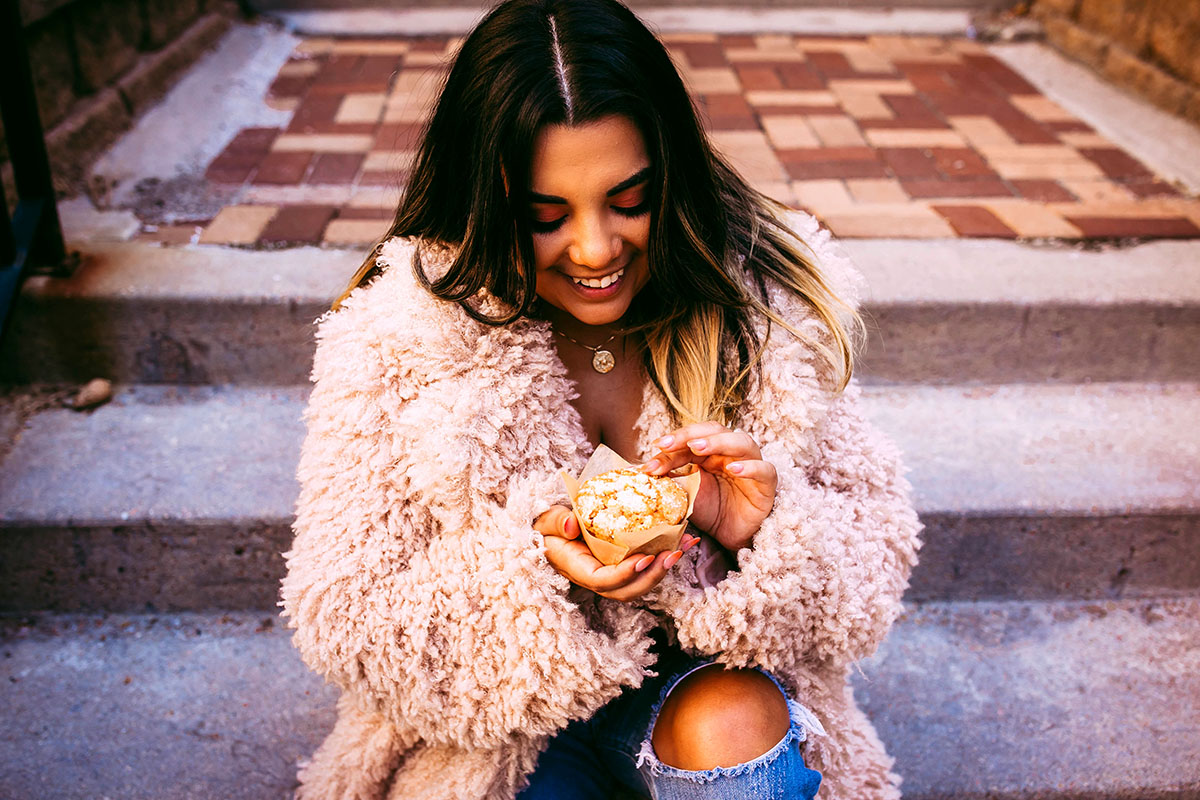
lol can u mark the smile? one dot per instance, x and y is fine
(600, 283)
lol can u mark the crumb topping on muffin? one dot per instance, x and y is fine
(627, 500)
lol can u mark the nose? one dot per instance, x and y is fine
(596, 245)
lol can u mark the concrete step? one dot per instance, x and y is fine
(181, 498)
(941, 311)
(997, 700)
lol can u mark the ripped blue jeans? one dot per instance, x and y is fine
(595, 759)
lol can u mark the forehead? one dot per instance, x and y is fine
(595, 155)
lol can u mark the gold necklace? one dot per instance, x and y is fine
(602, 360)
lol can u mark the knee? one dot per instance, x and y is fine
(719, 718)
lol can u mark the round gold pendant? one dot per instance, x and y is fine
(603, 361)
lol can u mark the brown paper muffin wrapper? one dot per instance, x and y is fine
(648, 542)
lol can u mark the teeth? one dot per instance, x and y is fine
(600, 283)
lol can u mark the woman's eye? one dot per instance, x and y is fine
(539, 225)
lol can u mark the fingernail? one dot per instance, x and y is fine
(698, 444)
(645, 562)
(651, 465)
(690, 545)
(671, 559)
(735, 468)
(665, 441)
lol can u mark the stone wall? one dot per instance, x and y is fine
(98, 64)
(1149, 46)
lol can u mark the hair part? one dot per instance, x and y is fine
(715, 242)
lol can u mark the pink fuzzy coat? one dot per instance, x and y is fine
(417, 585)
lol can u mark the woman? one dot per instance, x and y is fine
(571, 265)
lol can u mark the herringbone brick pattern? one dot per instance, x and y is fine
(878, 136)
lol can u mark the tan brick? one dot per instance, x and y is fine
(323, 142)
(822, 196)
(786, 132)
(928, 50)
(836, 131)
(1041, 108)
(360, 108)
(901, 137)
(1147, 208)
(1097, 191)
(281, 103)
(1032, 220)
(300, 69)
(317, 46)
(740, 54)
(712, 80)
(876, 190)
(381, 198)
(776, 190)
(982, 132)
(303, 195)
(1054, 170)
(355, 231)
(370, 47)
(787, 97)
(1030, 152)
(1082, 139)
(426, 59)
(899, 220)
(864, 59)
(751, 154)
(683, 37)
(776, 42)
(388, 160)
(873, 86)
(238, 225)
(864, 105)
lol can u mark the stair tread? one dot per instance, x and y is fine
(1001, 700)
(230, 452)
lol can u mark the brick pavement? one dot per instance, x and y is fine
(878, 136)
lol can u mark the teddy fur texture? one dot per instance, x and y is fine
(417, 584)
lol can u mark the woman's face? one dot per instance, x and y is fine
(590, 217)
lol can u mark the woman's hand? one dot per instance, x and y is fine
(737, 488)
(626, 581)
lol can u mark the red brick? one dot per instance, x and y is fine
(702, 54)
(428, 44)
(399, 136)
(1123, 227)
(957, 103)
(739, 40)
(966, 187)
(357, 73)
(807, 155)
(833, 65)
(733, 122)
(816, 170)
(908, 107)
(908, 162)
(285, 167)
(289, 85)
(338, 127)
(335, 168)
(922, 124)
(1116, 163)
(788, 111)
(1042, 191)
(756, 77)
(798, 75)
(975, 221)
(258, 140)
(382, 178)
(954, 162)
(297, 225)
(968, 79)
(354, 212)
(725, 104)
(316, 108)
(926, 77)
(1068, 126)
(1001, 74)
(1151, 187)
(218, 172)
(1024, 130)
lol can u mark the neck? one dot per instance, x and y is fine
(563, 322)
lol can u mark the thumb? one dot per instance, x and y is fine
(558, 521)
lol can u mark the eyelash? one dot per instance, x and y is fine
(537, 226)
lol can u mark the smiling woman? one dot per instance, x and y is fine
(571, 265)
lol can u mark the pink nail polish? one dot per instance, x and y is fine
(645, 562)
(665, 441)
(672, 559)
(698, 444)
(735, 468)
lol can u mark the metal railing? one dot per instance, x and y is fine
(32, 238)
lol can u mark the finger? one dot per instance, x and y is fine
(646, 579)
(722, 445)
(677, 440)
(557, 521)
(762, 472)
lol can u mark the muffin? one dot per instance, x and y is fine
(627, 501)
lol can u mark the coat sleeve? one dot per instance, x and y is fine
(823, 578)
(414, 588)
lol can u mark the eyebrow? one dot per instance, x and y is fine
(641, 177)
